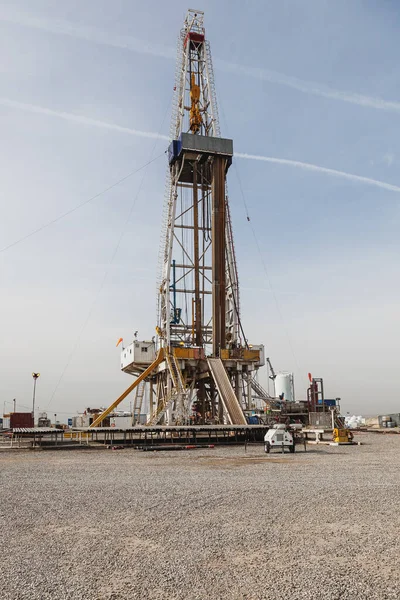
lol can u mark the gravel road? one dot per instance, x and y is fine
(204, 524)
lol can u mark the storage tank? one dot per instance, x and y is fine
(284, 384)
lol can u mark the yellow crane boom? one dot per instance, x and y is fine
(146, 373)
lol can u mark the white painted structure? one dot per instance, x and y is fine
(284, 384)
(278, 437)
(138, 352)
(261, 349)
(121, 421)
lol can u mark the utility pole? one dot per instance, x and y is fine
(55, 419)
(35, 378)
(14, 401)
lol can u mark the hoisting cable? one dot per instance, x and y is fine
(184, 273)
(113, 255)
(239, 319)
(72, 210)
(264, 265)
(235, 299)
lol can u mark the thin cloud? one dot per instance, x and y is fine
(32, 108)
(308, 87)
(389, 158)
(317, 169)
(86, 33)
(133, 44)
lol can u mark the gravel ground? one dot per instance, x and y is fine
(216, 523)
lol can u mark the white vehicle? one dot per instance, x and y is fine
(279, 437)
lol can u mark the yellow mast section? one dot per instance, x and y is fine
(195, 116)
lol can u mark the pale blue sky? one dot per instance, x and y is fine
(315, 82)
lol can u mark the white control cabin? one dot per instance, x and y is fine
(137, 356)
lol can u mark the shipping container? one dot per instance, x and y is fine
(21, 419)
(120, 422)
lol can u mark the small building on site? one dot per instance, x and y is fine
(389, 420)
(117, 419)
(43, 420)
(18, 419)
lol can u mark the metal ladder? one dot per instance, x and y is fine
(137, 407)
(258, 389)
(181, 393)
(176, 373)
(162, 409)
(270, 401)
(178, 394)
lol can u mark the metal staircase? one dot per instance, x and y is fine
(162, 409)
(137, 406)
(259, 390)
(176, 373)
(178, 395)
(179, 386)
(271, 401)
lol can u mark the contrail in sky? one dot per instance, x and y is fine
(308, 87)
(79, 119)
(87, 33)
(133, 44)
(318, 169)
(150, 134)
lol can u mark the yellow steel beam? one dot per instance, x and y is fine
(105, 413)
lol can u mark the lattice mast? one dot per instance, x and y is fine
(200, 364)
(200, 358)
(186, 286)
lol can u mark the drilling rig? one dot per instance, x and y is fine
(200, 362)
